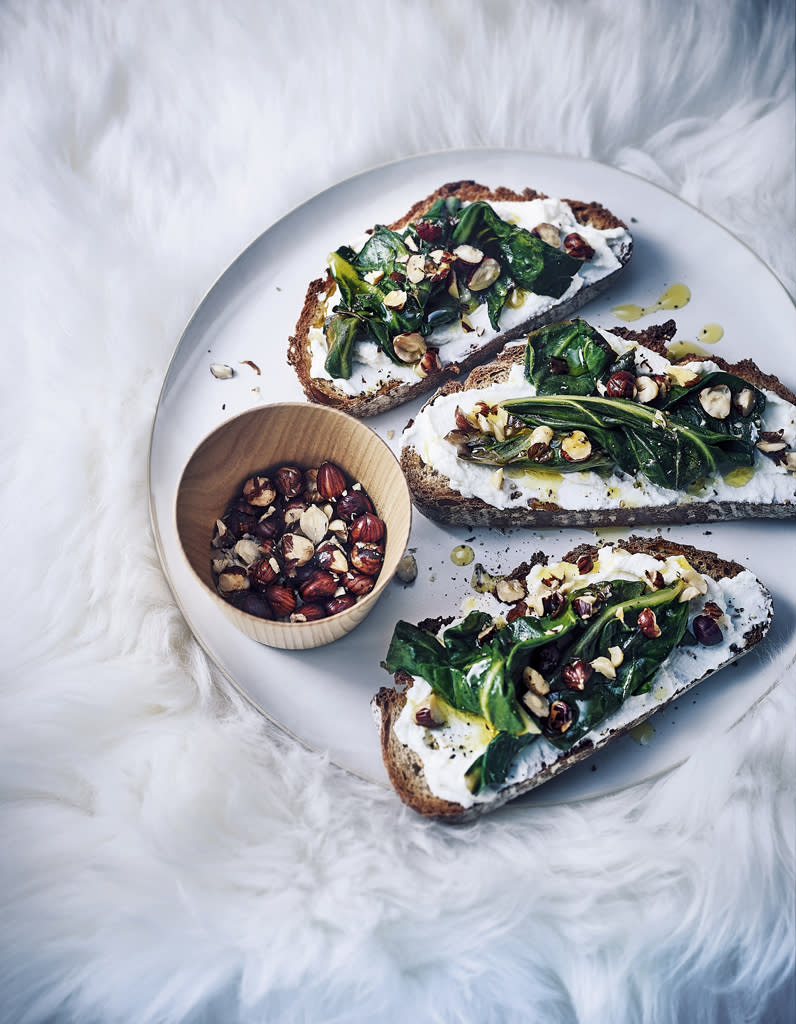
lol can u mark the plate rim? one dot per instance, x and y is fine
(229, 269)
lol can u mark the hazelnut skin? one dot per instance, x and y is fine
(367, 527)
(289, 481)
(561, 716)
(330, 480)
(320, 585)
(282, 599)
(340, 604)
(706, 630)
(366, 557)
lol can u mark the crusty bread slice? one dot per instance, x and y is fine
(405, 768)
(433, 494)
(397, 391)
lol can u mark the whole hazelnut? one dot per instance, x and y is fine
(577, 675)
(309, 613)
(330, 481)
(352, 504)
(282, 599)
(367, 527)
(429, 715)
(621, 384)
(366, 557)
(340, 604)
(358, 583)
(289, 481)
(707, 631)
(319, 585)
(311, 485)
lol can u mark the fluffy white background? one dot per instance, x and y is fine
(165, 856)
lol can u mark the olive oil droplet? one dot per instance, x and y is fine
(710, 334)
(462, 554)
(629, 311)
(685, 348)
(675, 297)
(740, 476)
(642, 733)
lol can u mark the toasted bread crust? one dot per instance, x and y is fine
(394, 393)
(406, 772)
(433, 495)
(405, 769)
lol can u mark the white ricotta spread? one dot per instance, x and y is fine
(448, 750)
(769, 483)
(371, 368)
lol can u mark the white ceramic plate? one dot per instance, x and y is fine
(322, 696)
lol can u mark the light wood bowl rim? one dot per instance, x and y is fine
(397, 516)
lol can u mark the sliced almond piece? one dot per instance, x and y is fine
(396, 299)
(744, 401)
(416, 268)
(409, 347)
(535, 681)
(484, 275)
(468, 254)
(716, 401)
(605, 667)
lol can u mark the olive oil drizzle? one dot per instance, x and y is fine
(710, 334)
(675, 297)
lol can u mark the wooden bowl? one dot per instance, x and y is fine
(305, 435)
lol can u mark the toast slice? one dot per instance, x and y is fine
(595, 645)
(731, 426)
(434, 294)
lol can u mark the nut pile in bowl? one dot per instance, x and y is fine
(298, 545)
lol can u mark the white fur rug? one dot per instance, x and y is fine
(167, 856)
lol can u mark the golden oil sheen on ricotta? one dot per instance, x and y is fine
(448, 750)
(372, 368)
(769, 483)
